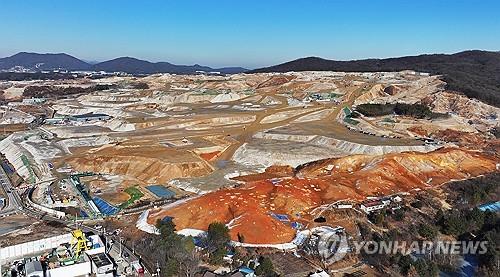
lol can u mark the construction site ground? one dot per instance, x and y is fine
(241, 149)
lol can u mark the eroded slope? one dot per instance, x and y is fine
(249, 209)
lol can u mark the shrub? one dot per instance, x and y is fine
(427, 231)
(265, 267)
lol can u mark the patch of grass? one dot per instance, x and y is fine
(135, 194)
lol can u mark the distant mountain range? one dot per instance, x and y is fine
(474, 73)
(36, 61)
(39, 62)
(133, 65)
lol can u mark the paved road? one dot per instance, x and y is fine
(14, 203)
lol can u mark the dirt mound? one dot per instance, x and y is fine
(251, 209)
(382, 175)
(474, 141)
(461, 138)
(276, 81)
(391, 90)
(210, 155)
(275, 171)
(481, 115)
(466, 139)
(282, 171)
(374, 92)
(418, 130)
(148, 163)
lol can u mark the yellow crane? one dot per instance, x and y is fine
(79, 243)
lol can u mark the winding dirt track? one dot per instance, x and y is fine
(243, 133)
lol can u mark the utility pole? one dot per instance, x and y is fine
(76, 220)
(106, 241)
(120, 241)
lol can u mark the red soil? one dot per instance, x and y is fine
(276, 81)
(248, 207)
(209, 156)
(275, 171)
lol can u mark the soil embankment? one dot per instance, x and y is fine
(249, 208)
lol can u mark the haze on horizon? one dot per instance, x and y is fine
(250, 34)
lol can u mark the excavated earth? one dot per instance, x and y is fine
(212, 135)
(248, 209)
(151, 164)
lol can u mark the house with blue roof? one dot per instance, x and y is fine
(246, 271)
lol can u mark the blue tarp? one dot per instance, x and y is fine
(246, 270)
(167, 218)
(161, 191)
(199, 242)
(104, 207)
(280, 217)
(493, 207)
(296, 225)
(83, 214)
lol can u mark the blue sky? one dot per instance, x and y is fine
(246, 33)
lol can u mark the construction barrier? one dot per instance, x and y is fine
(32, 247)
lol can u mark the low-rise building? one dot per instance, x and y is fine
(138, 268)
(246, 271)
(397, 199)
(68, 255)
(373, 205)
(101, 265)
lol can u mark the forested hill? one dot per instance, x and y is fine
(474, 73)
